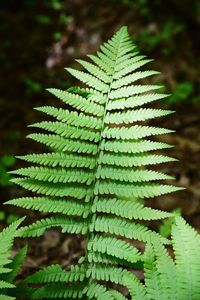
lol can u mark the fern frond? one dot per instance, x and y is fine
(5, 297)
(125, 228)
(117, 295)
(135, 101)
(61, 160)
(6, 238)
(78, 102)
(132, 90)
(90, 80)
(60, 129)
(66, 145)
(133, 132)
(93, 175)
(130, 68)
(152, 278)
(45, 204)
(9, 267)
(55, 273)
(58, 291)
(135, 116)
(15, 264)
(136, 160)
(135, 190)
(186, 243)
(168, 278)
(127, 175)
(105, 273)
(98, 291)
(56, 175)
(127, 209)
(94, 70)
(129, 57)
(167, 271)
(114, 247)
(71, 118)
(49, 189)
(132, 78)
(133, 146)
(6, 285)
(68, 225)
(136, 288)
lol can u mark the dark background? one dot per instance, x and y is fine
(40, 38)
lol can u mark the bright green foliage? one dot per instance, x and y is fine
(166, 278)
(95, 175)
(9, 267)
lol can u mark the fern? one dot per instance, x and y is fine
(166, 278)
(96, 174)
(9, 267)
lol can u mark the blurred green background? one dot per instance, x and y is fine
(40, 38)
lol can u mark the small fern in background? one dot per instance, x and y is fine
(98, 171)
(166, 278)
(9, 267)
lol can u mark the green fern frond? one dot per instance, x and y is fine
(132, 78)
(60, 129)
(6, 285)
(165, 277)
(78, 102)
(136, 288)
(124, 228)
(135, 116)
(114, 247)
(132, 90)
(127, 209)
(125, 175)
(16, 264)
(56, 175)
(68, 225)
(134, 190)
(71, 118)
(97, 291)
(45, 204)
(60, 160)
(135, 101)
(6, 238)
(55, 273)
(93, 176)
(133, 132)
(186, 244)
(137, 160)
(126, 70)
(94, 70)
(59, 143)
(49, 189)
(9, 267)
(5, 297)
(152, 278)
(89, 80)
(133, 146)
(58, 291)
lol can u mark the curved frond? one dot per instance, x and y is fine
(67, 225)
(114, 247)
